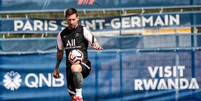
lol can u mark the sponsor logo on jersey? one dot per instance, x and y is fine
(71, 44)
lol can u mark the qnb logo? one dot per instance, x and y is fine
(12, 80)
(85, 2)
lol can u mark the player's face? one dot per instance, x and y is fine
(72, 21)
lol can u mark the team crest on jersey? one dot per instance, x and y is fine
(77, 34)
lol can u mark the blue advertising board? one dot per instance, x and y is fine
(168, 70)
(146, 21)
(114, 76)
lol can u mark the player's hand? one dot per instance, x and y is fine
(56, 73)
(97, 47)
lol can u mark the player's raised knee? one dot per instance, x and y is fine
(76, 68)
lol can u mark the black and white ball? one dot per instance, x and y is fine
(76, 56)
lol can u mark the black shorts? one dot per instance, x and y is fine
(86, 69)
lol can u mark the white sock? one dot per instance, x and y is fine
(79, 92)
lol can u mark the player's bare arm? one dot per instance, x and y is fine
(96, 45)
(59, 59)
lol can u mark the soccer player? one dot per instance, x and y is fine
(74, 37)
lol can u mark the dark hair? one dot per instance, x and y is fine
(71, 11)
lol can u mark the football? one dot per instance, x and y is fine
(76, 56)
